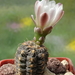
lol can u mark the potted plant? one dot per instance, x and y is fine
(32, 56)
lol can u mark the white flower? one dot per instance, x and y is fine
(47, 13)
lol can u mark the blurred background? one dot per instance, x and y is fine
(16, 27)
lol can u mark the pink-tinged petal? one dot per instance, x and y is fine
(43, 20)
(58, 18)
(51, 16)
(47, 30)
(58, 9)
(38, 12)
(36, 6)
(59, 4)
(36, 2)
(58, 12)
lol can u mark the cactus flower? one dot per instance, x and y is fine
(47, 14)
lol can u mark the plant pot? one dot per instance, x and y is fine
(6, 61)
(71, 67)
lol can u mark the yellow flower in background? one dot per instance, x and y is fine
(71, 46)
(27, 21)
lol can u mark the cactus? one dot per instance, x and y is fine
(32, 56)
(31, 59)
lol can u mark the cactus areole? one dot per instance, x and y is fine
(31, 56)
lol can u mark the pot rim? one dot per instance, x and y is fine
(6, 61)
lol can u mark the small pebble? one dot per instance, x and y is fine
(64, 62)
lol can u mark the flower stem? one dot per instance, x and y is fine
(39, 38)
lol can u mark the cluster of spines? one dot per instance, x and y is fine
(31, 59)
(42, 57)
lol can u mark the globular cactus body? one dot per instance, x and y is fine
(31, 59)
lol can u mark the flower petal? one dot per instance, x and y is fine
(38, 15)
(51, 16)
(47, 30)
(43, 20)
(58, 18)
(36, 7)
(58, 11)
